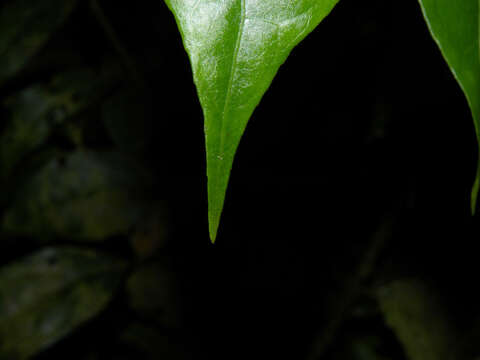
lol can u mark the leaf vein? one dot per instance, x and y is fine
(232, 71)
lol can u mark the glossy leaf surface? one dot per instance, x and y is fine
(454, 26)
(235, 49)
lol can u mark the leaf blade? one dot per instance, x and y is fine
(47, 295)
(236, 47)
(25, 27)
(459, 41)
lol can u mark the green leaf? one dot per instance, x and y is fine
(25, 27)
(85, 196)
(235, 49)
(414, 312)
(35, 113)
(47, 295)
(454, 26)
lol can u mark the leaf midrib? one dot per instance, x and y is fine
(233, 69)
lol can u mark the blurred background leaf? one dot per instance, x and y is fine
(82, 196)
(414, 312)
(34, 114)
(47, 295)
(25, 27)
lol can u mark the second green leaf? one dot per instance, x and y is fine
(454, 26)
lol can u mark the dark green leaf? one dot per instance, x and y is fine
(34, 113)
(235, 49)
(83, 196)
(25, 27)
(454, 26)
(49, 294)
(32, 117)
(413, 311)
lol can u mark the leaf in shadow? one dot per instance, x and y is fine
(25, 27)
(84, 196)
(454, 25)
(35, 112)
(412, 309)
(47, 295)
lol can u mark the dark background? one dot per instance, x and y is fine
(346, 232)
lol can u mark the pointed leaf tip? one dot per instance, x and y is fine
(218, 172)
(213, 228)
